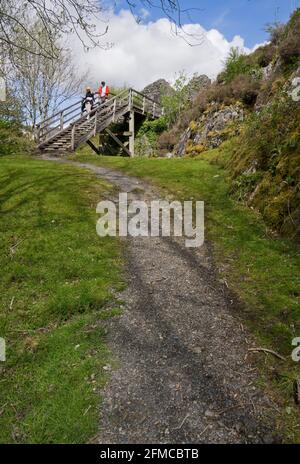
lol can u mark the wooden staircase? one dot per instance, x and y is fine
(66, 130)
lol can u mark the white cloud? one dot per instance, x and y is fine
(143, 53)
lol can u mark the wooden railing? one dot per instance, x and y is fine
(127, 100)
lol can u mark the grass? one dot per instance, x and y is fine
(55, 289)
(262, 270)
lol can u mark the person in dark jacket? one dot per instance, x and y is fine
(89, 98)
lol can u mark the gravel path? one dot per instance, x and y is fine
(185, 374)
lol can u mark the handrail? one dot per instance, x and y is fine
(68, 117)
(145, 96)
(58, 113)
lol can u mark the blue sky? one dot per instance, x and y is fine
(141, 53)
(246, 18)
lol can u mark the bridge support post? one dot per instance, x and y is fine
(131, 130)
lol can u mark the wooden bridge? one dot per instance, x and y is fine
(66, 130)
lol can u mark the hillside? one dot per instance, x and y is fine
(252, 107)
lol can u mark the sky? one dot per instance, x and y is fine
(141, 52)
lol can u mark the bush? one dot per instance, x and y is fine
(245, 89)
(13, 139)
(287, 38)
(263, 56)
(220, 93)
(146, 141)
(236, 64)
(276, 31)
(156, 126)
(289, 50)
(168, 140)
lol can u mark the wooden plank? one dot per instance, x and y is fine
(93, 147)
(118, 141)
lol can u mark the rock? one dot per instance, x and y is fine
(196, 84)
(209, 413)
(293, 85)
(158, 89)
(181, 146)
(214, 126)
(267, 71)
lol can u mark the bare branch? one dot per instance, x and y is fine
(42, 83)
(174, 12)
(58, 17)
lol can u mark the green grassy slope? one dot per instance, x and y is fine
(55, 285)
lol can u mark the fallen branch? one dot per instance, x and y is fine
(11, 303)
(178, 428)
(266, 350)
(203, 431)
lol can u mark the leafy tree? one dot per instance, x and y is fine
(11, 110)
(176, 103)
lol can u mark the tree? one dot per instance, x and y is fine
(42, 83)
(58, 17)
(175, 103)
(11, 109)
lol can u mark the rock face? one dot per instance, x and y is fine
(196, 84)
(213, 128)
(293, 86)
(158, 89)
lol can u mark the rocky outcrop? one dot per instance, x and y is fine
(293, 86)
(158, 89)
(216, 125)
(196, 84)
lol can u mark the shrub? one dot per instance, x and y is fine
(235, 64)
(263, 56)
(246, 89)
(276, 31)
(220, 93)
(289, 50)
(13, 139)
(287, 38)
(155, 127)
(146, 141)
(169, 139)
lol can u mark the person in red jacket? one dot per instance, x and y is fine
(103, 92)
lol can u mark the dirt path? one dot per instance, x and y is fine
(184, 374)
